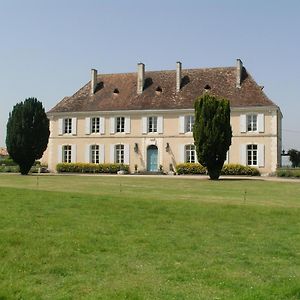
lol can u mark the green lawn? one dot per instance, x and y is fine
(114, 237)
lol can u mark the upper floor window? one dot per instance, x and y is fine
(252, 155)
(119, 154)
(251, 122)
(120, 124)
(190, 154)
(67, 125)
(67, 154)
(95, 125)
(152, 124)
(189, 123)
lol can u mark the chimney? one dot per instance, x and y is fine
(141, 78)
(93, 81)
(178, 76)
(239, 71)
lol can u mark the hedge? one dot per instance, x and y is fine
(90, 168)
(237, 169)
(190, 168)
(228, 169)
(288, 172)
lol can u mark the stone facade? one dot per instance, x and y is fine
(87, 128)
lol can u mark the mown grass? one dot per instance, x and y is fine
(103, 237)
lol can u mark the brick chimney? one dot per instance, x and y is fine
(178, 76)
(140, 78)
(93, 81)
(239, 72)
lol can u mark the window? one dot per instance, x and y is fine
(120, 124)
(152, 124)
(252, 155)
(189, 123)
(67, 154)
(119, 154)
(95, 154)
(67, 125)
(251, 122)
(95, 125)
(190, 154)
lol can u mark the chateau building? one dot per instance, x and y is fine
(145, 119)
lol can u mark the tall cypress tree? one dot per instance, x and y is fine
(27, 133)
(212, 133)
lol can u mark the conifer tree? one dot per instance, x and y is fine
(27, 133)
(212, 133)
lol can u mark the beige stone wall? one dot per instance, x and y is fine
(269, 138)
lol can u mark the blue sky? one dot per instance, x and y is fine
(48, 47)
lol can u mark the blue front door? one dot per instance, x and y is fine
(152, 154)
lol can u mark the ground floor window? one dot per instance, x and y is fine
(252, 155)
(67, 153)
(190, 154)
(95, 154)
(119, 154)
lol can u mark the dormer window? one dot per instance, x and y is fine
(158, 90)
(207, 87)
(116, 92)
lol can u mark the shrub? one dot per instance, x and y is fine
(237, 169)
(288, 173)
(9, 169)
(190, 168)
(90, 168)
(230, 169)
(8, 162)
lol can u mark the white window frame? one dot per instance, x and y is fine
(119, 154)
(95, 154)
(120, 124)
(67, 153)
(252, 155)
(152, 124)
(67, 126)
(252, 122)
(189, 122)
(190, 153)
(95, 124)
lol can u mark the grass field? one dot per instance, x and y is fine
(114, 237)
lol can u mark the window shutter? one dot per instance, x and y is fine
(87, 153)
(144, 125)
(260, 123)
(102, 125)
(227, 158)
(243, 153)
(261, 155)
(181, 156)
(60, 126)
(112, 153)
(74, 126)
(181, 124)
(73, 153)
(126, 154)
(243, 123)
(101, 154)
(160, 125)
(87, 125)
(127, 124)
(59, 153)
(112, 125)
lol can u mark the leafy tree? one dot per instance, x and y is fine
(294, 157)
(27, 133)
(212, 133)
